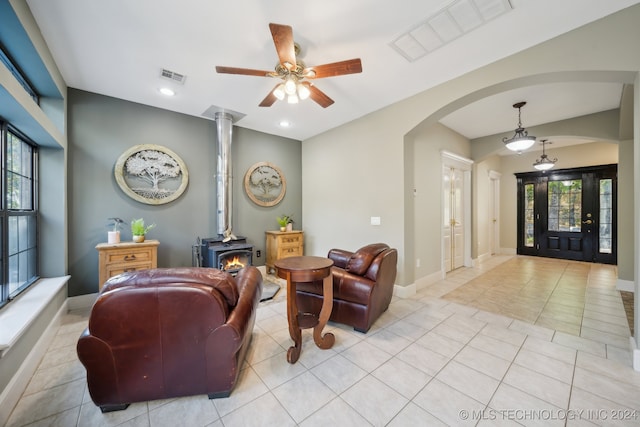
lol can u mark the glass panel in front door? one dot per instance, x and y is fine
(606, 216)
(565, 205)
(529, 215)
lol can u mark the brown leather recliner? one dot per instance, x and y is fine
(168, 332)
(362, 286)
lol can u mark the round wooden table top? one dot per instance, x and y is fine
(304, 268)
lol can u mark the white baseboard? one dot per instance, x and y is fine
(635, 354)
(429, 280)
(625, 285)
(404, 291)
(12, 393)
(482, 258)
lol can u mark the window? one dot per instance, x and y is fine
(529, 214)
(565, 205)
(606, 216)
(18, 214)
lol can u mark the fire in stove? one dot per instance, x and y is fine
(230, 256)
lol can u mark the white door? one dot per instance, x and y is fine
(495, 215)
(456, 211)
(453, 215)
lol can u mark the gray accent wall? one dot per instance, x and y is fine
(101, 128)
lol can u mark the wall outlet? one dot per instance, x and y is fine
(258, 253)
(418, 262)
(375, 220)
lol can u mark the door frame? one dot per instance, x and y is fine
(455, 161)
(494, 178)
(539, 180)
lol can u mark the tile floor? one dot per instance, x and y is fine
(515, 341)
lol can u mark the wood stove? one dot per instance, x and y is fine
(228, 256)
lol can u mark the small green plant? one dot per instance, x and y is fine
(284, 220)
(115, 223)
(138, 228)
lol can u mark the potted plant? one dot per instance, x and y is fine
(139, 230)
(113, 236)
(283, 221)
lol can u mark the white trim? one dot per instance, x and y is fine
(625, 285)
(17, 316)
(494, 175)
(482, 258)
(18, 383)
(635, 354)
(404, 291)
(463, 162)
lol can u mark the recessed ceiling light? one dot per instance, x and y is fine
(285, 124)
(167, 91)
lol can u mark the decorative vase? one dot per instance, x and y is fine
(283, 228)
(113, 237)
(138, 239)
(290, 227)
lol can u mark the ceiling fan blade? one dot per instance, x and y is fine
(283, 39)
(244, 71)
(350, 66)
(270, 98)
(318, 96)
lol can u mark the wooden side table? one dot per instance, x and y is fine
(302, 269)
(116, 258)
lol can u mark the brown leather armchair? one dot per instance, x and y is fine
(362, 286)
(168, 332)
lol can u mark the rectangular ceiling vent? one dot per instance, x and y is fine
(173, 76)
(458, 18)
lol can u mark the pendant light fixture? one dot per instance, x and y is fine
(544, 163)
(521, 140)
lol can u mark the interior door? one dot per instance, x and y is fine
(453, 216)
(569, 214)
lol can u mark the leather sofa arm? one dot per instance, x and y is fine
(249, 281)
(98, 359)
(340, 257)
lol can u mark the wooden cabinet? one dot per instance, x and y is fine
(116, 258)
(283, 244)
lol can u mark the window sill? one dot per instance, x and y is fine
(17, 316)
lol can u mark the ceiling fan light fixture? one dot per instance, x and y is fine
(292, 99)
(521, 140)
(290, 87)
(303, 91)
(279, 92)
(544, 163)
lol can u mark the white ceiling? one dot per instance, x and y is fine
(118, 48)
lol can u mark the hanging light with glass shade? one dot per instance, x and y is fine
(521, 140)
(544, 163)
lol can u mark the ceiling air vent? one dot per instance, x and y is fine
(173, 76)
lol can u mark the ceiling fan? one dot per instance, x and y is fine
(294, 73)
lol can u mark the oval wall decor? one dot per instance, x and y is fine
(265, 184)
(151, 174)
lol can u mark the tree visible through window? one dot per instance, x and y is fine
(18, 225)
(565, 205)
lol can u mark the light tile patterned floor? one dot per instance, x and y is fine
(477, 348)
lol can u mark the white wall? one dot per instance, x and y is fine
(358, 170)
(428, 144)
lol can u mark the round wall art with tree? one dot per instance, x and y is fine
(265, 184)
(151, 174)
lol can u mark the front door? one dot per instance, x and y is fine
(568, 214)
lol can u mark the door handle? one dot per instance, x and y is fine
(588, 222)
